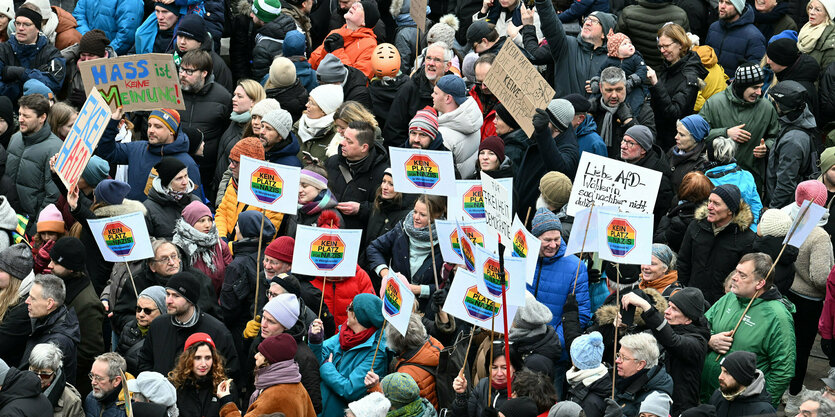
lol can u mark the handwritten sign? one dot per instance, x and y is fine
(420, 171)
(324, 252)
(122, 238)
(465, 302)
(135, 82)
(398, 302)
(498, 212)
(82, 140)
(608, 182)
(417, 10)
(269, 186)
(518, 85)
(468, 203)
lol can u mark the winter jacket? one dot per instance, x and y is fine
(287, 398)
(420, 364)
(824, 51)
(753, 401)
(292, 98)
(65, 399)
(545, 154)
(268, 43)
(28, 167)
(413, 95)
(505, 170)
(674, 96)
(588, 140)
(705, 259)
(540, 351)
(474, 404)
(581, 9)
(736, 42)
(814, 261)
(382, 93)
(461, 131)
(21, 395)
(734, 174)
(145, 39)
(683, 163)
(672, 227)
(8, 223)
(590, 389)
(631, 392)
(807, 72)
(716, 79)
(237, 296)
(221, 256)
(131, 341)
(119, 20)
(316, 146)
(88, 310)
(768, 332)
(644, 116)
(109, 406)
(142, 156)
(220, 71)
(285, 153)
(340, 292)
(385, 216)
(15, 326)
(358, 46)
(229, 209)
(697, 15)
(362, 186)
(196, 398)
(61, 328)
(163, 211)
(826, 323)
(228, 140)
(304, 219)
(656, 161)
(641, 22)
(791, 160)
(207, 110)
(775, 21)
(342, 378)
(355, 87)
(42, 61)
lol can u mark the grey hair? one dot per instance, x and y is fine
(448, 54)
(46, 356)
(612, 76)
(826, 407)
(115, 363)
(52, 287)
(643, 346)
(724, 149)
(415, 336)
(158, 243)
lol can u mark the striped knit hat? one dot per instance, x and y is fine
(314, 179)
(169, 117)
(426, 121)
(266, 10)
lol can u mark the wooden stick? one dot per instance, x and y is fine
(756, 294)
(374, 358)
(527, 216)
(258, 268)
(467, 353)
(431, 241)
(130, 274)
(490, 360)
(582, 248)
(615, 344)
(322, 301)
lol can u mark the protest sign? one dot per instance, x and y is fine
(585, 218)
(417, 10)
(606, 181)
(488, 279)
(135, 82)
(268, 186)
(419, 171)
(518, 85)
(497, 206)
(476, 231)
(325, 252)
(807, 219)
(398, 302)
(624, 238)
(465, 302)
(82, 140)
(525, 246)
(468, 203)
(122, 238)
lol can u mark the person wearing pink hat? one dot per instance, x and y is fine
(196, 376)
(50, 228)
(197, 235)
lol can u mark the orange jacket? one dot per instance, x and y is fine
(358, 47)
(340, 292)
(65, 33)
(427, 356)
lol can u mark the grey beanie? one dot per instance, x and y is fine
(533, 315)
(280, 120)
(4, 369)
(561, 112)
(17, 260)
(331, 70)
(565, 409)
(642, 135)
(657, 403)
(155, 293)
(665, 255)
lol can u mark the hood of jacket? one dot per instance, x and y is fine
(806, 120)
(588, 126)
(745, 18)
(291, 149)
(180, 145)
(547, 345)
(128, 206)
(387, 89)
(743, 219)
(62, 321)
(707, 56)
(691, 61)
(466, 119)
(8, 217)
(756, 388)
(805, 69)
(278, 28)
(66, 21)
(606, 314)
(19, 385)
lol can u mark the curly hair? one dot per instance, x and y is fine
(183, 372)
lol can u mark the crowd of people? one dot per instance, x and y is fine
(733, 102)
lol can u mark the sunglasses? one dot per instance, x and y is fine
(42, 375)
(147, 311)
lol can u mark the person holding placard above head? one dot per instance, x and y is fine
(315, 199)
(638, 148)
(170, 193)
(197, 234)
(474, 402)
(50, 228)
(492, 160)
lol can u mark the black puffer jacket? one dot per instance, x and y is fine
(21, 395)
(163, 211)
(806, 71)
(130, 342)
(827, 97)
(197, 399)
(592, 397)
(355, 87)
(208, 111)
(61, 328)
(673, 225)
(681, 164)
(15, 326)
(674, 96)
(292, 98)
(267, 44)
(655, 160)
(382, 95)
(641, 22)
(366, 177)
(545, 153)
(237, 296)
(754, 401)
(540, 351)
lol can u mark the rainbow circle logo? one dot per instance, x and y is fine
(478, 306)
(119, 238)
(393, 299)
(473, 203)
(492, 280)
(266, 185)
(422, 171)
(620, 236)
(520, 245)
(327, 252)
(468, 255)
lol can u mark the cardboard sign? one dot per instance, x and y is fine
(498, 212)
(135, 82)
(624, 238)
(398, 302)
(807, 219)
(468, 203)
(417, 10)
(465, 302)
(518, 85)
(324, 252)
(608, 182)
(525, 246)
(122, 238)
(489, 281)
(269, 186)
(82, 140)
(420, 171)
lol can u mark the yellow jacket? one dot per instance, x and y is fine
(226, 216)
(716, 80)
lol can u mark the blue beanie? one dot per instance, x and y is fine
(112, 192)
(545, 220)
(587, 351)
(368, 309)
(34, 86)
(95, 171)
(294, 44)
(787, 34)
(249, 222)
(697, 126)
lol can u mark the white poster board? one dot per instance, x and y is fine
(122, 238)
(624, 238)
(468, 203)
(465, 302)
(498, 210)
(326, 252)
(269, 186)
(807, 219)
(488, 279)
(421, 171)
(398, 302)
(608, 182)
(525, 246)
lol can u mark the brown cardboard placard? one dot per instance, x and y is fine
(417, 9)
(135, 82)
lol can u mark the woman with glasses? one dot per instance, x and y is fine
(149, 306)
(197, 375)
(45, 361)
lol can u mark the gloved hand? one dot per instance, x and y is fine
(252, 328)
(333, 42)
(828, 347)
(319, 335)
(633, 81)
(490, 412)
(42, 258)
(77, 97)
(540, 120)
(438, 299)
(612, 409)
(12, 73)
(594, 275)
(623, 114)
(570, 303)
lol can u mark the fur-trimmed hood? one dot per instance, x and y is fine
(606, 314)
(743, 219)
(128, 206)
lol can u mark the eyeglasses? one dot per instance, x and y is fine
(187, 71)
(662, 47)
(167, 259)
(592, 20)
(23, 24)
(97, 378)
(271, 295)
(147, 311)
(624, 358)
(41, 374)
(828, 390)
(629, 144)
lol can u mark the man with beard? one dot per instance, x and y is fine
(483, 96)
(741, 389)
(611, 113)
(734, 36)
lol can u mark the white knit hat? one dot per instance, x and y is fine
(328, 97)
(372, 405)
(280, 120)
(7, 9)
(265, 106)
(775, 223)
(829, 5)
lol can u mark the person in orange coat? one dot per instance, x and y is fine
(353, 43)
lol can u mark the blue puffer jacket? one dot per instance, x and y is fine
(733, 174)
(553, 282)
(145, 35)
(43, 62)
(736, 42)
(141, 156)
(589, 140)
(118, 19)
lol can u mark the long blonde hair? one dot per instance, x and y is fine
(9, 297)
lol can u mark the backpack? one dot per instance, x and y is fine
(449, 365)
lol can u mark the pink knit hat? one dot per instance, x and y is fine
(810, 190)
(50, 220)
(195, 211)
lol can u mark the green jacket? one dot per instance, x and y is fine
(725, 110)
(767, 331)
(90, 314)
(28, 168)
(824, 51)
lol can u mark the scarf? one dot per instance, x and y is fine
(308, 128)
(176, 195)
(349, 340)
(660, 284)
(497, 385)
(240, 118)
(190, 323)
(809, 35)
(415, 234)
(195, 243)
(731, 397)
(412, 409)
(585, 376)
(606, 128)
(325, 200)
(284, 372)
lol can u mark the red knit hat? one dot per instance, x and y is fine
(197, 338)
(250, 147)
(494, 144)
(281, 249)
(278, 348)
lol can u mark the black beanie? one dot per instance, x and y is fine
(193, 26)
(32, 15)
(372, 13)
(289, 282)
(94, 42)
(506, 117)
(185, 284)
(730, 195)
(742, 366)
(167, 168)
(68, 252)
(690, 302)
(783, 52)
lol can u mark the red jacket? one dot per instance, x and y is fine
(358, 47)
(825, 324)
(340, 292)
(489, 126)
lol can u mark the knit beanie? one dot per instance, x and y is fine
(372, 13)
(746, 75)
(555, 188)
(94, 42)
(581, 103)
(656, 403)
(587, 351)
(96, 170)
(827, 159)
(285, 309)
(171, 7)
(367, 308)
(426, 121)
(112, 192)
(400, 388)
(565, 409)
(195, 211)
(774, 222)
(561, 113)
(507, 118)
(741, 365)
(613, 43)
(4, 370)
(32, 15)
(783, 52)
(372, 405)
(697, 126)
(703, 410)
(17, 261)
(193, 26)
(290, 284)
(280, 120)
(197, 338)
(810, 190)
(295, 44)
(543, 221)
(665, 255)
(443, 31)
(185, 284)
(477, 31)
(533, 314)
(730, 195)
(266, 10)
(69, 252)
(51, 220)
(739, 5)
(690, 302)
(607, 21)
(249, 223)
(169, 117)
(167, 168)
(156, 294)
(328, 97)
(281, 249)
(312, 178)
(494, 144)
(278, 348)
(519, 407)
(248, 146)
(7, 9)
(33, 86)
(155, 386)
(642, 135)
(282, 72)
(829, 5)
(264, 106)
(331, 70)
